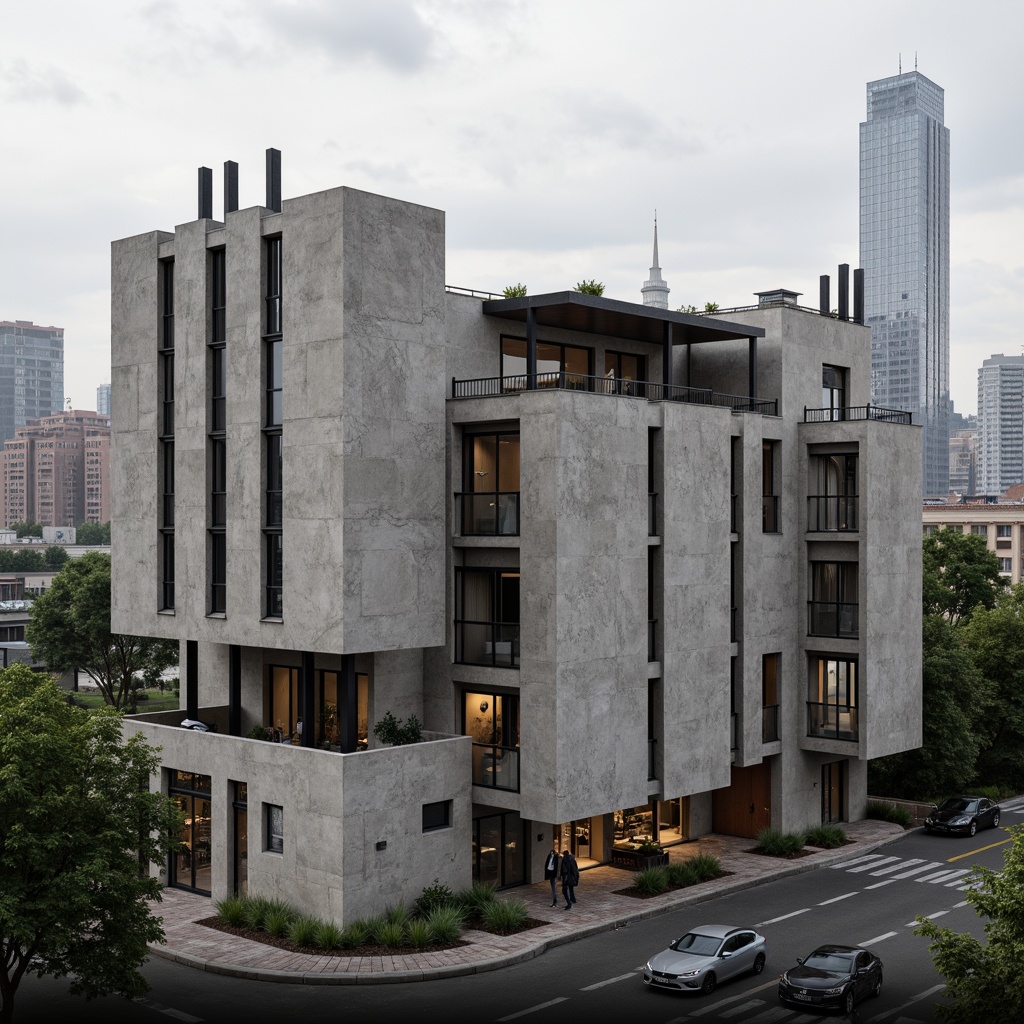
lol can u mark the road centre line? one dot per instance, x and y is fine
(962, 903)
(930, 917)
(836, 899)
(610, 981)
(991, 846)
(785, 917)
(534, 1009)
(885, 1014)
(877, 938)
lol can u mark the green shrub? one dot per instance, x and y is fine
(706, 866)
(993, 793)
(514, 291)
(444, 924)
(259, 732)
(327, 935)
(648, 848)
(777, 843)
(589, 287)
(505, 916)
(398, 914)
(231, 911)
(436, 895)
(277, 922)
(391, 934)
(682, 875)
(303, 931)
(474, 901)
(390, 730)
(418, 933)
(373, 928)
(355, 935)
(826, 836)
(882, 811)
(255, 910)
(651, 882)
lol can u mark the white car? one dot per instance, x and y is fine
(710, 953)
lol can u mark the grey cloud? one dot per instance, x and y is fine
(39, 84)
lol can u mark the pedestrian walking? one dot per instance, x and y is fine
(570, 874)
(551, 873)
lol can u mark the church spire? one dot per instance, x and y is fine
(655, 290)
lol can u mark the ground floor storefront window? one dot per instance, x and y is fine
(499, 850)
(190, 865)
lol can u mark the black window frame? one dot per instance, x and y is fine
(273, 841)
(500, 631)
(273, 431)
(436, 816)
(771, 471)
(216, 437)
(475, 502)
(165, 440)
(835, 585)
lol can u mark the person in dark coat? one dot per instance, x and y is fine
(570, 875)
(551, 865)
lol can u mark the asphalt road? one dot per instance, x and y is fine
(871, 901)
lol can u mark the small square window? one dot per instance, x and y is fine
(437, 815)
(274, 817)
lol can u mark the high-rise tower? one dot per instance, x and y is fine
(904, 250)
(1000, 424)
(31, 373)
(655, 291)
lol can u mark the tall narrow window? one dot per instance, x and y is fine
(832, 700)
(165, 387)
(833, 503)
(490, 485)
(216, 444)
(770, 486)
(833, 607)
(273, 445)
(487, 617)
(833, 392)
(770, 697)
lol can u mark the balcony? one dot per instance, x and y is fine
(487, 643)
(488, 513)
(491, 387)
(496, 767)
(833, 618)
(831, 513)
(831, 721)
(769, 723)
(858, 412)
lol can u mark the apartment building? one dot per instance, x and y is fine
(999, 524)
(55, 471)
(638, 573)
(31, 373)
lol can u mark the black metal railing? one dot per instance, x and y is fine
(769, 723)
(833, 618)
(832, 512)
(564, 380)
(652, 514)
(831, 721)
(488, 513)
(652, 639)
(769, 513)
(858, 412)
(487, 643)
(652, 759)
(496, 766)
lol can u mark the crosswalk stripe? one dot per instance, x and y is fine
(856, 860)
(922, 867)
(877, 864)
(945, 876)
(895, 867)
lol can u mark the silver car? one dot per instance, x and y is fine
(700, 959)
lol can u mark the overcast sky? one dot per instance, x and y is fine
(547, 131)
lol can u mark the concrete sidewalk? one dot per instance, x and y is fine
(599, 909)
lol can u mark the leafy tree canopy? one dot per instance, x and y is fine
(55, 556)
(960, 573)
(28, 528)
(70, 628)
(514, 291)
(984, 981)
(93, 533)
(589, 287)
(76, 822)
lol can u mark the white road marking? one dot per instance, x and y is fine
(877, 938)
(878, 885)
(610, 981)
(785, 917)
(944, 876)
(930, 917)
(168, 1011)
(895, 867)
(877, 864)
(775, 1013)
(919, 869)
(856, 860)
(962, 903)
(752, 1004)
(836, 899)
(711, 1008)
(910, 1002)
(534, 1009)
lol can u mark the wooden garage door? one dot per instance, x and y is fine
(744, 807)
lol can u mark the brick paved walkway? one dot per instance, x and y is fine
(599, 909)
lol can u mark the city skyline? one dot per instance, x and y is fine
(506, 115)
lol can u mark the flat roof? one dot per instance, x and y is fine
(594, 314)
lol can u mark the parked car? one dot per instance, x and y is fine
(963, 815)
(700, 959)
(832, 976)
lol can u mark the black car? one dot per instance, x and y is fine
(963, 815)
(832, 976)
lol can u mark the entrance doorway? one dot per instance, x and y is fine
(745, 806)
(584, 837)
(499, 853)
(833, 792)
(190, 865)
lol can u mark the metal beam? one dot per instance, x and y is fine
(666, 360)
(752, 367)
(531, 348)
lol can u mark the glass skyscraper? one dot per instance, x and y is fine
(31, 373)
(904, 250)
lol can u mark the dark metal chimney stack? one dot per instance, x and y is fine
(274, 180)
(844, 291)
(823, 295)
(858, 296)
(230, 187)
(205, 193)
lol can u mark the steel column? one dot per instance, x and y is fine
(307, 700)
(348, 704)
(192, 679)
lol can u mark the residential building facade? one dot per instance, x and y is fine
(31, 373)
(999, 524)
(1000, 424)
(631, 576)
(103, 399)
(904, 250)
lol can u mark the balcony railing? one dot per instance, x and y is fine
(652, 639)
(489, 387)
(487, 643)
(832, 512)
(488, 513)
(652, 514)
(833, 618)
(857, 412)
(495, 766)
(831, 721)
(769, 723)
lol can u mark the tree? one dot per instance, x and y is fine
(70, 628)
(93, 533)
(514, 291)
(984, 982)
(77, 822)
(27, 528)
(590, 287)
(960, 573)
(710, 307)
(55, 556)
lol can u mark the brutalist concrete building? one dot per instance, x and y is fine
(638, 573)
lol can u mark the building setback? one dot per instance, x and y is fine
(904, 250)
(56, 471)
(630, 587)
(31, 373)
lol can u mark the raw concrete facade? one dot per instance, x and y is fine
(599, 591)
